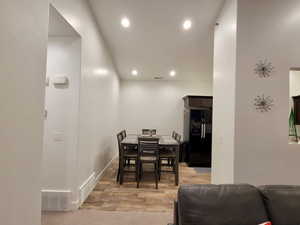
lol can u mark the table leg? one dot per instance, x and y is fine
(177, 166)
(121, 166)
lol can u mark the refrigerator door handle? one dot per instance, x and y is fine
(204, 130)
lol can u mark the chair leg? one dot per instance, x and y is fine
(121, 175)
(118, 175)
(159, 169)
(141, 170)
(176, 172)
(138, 175)
(173, 165)
(156, 175)
(136, 170)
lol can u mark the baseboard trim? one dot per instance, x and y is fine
(57, 200)
(90, 183)
(63, 200)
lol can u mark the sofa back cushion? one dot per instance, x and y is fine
(220, 205)
(282, 203)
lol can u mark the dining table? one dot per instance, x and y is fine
(165, 141)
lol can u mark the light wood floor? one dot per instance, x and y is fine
(110, 196)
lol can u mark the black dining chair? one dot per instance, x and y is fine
(124, 133)
(173, 134)
(146, 132)
(170, 155)
(148, 153)
(178, 138)
(126, 154)
(153, 132)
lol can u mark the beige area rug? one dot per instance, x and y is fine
(108, 195)
(97, 217)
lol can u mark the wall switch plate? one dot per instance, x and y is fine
(60, 80)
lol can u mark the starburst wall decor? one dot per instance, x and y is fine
(263, 104)
(264, 69)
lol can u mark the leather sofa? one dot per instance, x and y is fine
(237, 204)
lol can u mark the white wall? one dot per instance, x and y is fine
(266, 30)
(61, 125)
(23, 43)
(224, 94)
(99, 96)
(157, 104)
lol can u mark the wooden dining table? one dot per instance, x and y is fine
(165, 141)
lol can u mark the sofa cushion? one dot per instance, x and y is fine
(282, 203)
(220, 205)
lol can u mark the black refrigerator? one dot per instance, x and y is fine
(198, 130)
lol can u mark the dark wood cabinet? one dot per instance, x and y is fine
(198, 130)
(296, 100)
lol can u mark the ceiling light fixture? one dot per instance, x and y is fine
(172, 73)
(125, 22)
(134, 72)
(187, 24)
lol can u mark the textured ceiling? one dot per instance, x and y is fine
(155, 43)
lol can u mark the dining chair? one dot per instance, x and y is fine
(171, 155)
(146, 132)
(124, 133)
(148, 153)
(178, 138)
(173, 134)
(126, 154)
(153, 132)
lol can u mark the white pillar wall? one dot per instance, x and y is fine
(266, 30)
(224, 94)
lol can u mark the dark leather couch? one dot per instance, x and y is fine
(240, 204)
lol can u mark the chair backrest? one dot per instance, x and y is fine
(146, 131)
(120, 139)
(124, 133)
(173, 134)
(178, 138)
(148, 147)
(153, 132)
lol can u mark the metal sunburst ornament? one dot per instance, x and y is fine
(263, 104)
(264, 68)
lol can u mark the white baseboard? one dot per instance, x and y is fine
(63, 200)
(57, 200)
(90, 183)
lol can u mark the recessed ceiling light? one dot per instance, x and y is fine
(134, 72)
(172, 73)
(187, 24)
(125, 22)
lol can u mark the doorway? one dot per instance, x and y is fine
(61, 118)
